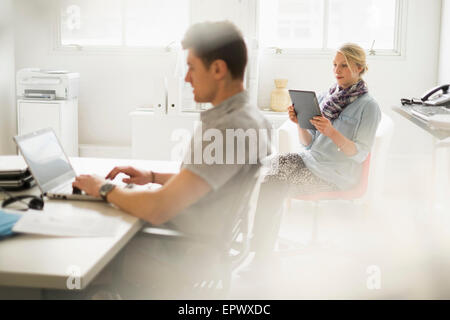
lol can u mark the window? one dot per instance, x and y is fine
(122, 23)
(325, 24)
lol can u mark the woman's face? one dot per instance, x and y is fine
(346, 74)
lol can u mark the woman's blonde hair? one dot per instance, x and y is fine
(354, 53)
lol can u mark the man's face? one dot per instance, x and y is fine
(201, 79)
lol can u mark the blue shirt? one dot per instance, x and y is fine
(357, 122)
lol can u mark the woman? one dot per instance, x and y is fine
(334, 152)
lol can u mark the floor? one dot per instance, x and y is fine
(396, 248)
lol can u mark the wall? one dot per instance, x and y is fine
(444, 62)
(389, 78)
(112, 85)
(7, 101)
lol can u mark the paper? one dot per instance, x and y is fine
(79, 224)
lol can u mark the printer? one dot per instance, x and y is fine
(38, 84)
(49, 98)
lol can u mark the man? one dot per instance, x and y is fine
(197, 200)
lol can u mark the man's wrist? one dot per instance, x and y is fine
(152, 176)
(105, 189)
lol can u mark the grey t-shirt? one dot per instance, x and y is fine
(228, 145)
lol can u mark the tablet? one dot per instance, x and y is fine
(307, 107)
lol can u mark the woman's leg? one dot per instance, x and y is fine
(288, 176)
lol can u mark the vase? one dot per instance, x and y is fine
(280, 99)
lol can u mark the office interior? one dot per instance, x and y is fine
(392, 244)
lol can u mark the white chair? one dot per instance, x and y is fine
(233, 243)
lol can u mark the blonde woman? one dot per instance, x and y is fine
(334, 152)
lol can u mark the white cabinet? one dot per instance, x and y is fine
(155, 136)
(60, 115)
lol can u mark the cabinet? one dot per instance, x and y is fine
(60, 115)
(156, 136)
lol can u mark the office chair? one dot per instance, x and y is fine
(233, 244)
(364, 193)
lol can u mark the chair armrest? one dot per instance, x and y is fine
(288, 140)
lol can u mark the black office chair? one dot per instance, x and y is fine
(233, 246)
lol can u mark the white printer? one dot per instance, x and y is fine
(47, 84)
(49, 98)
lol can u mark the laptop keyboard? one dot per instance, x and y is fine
(64, 188)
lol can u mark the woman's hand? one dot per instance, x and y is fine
(292, 114)
(323, 125)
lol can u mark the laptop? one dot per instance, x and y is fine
(49, 165)
(12, 167)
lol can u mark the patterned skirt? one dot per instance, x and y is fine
(290, 169)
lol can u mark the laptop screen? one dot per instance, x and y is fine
(45, 158)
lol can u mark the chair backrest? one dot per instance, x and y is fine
(238, 228)
(288, 140)
(236, 239)
(379, 156)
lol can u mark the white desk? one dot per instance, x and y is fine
(440, 170)
(46, 262)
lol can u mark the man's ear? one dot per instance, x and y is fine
(219, 68)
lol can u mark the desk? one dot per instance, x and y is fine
(436, 133)
(441, 139)
(46, 262)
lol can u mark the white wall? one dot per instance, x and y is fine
(112, 85)
(7, 101)
(444, 56)
(389, 78)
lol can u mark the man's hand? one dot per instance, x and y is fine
(292, 114)
(323, 125)
(136, 176)
(89, 184)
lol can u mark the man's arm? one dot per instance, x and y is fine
(139, 176)
(162, 178)
(179, 192)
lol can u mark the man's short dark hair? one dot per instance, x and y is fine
(218, 40)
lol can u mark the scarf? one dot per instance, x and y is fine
(337, 99)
